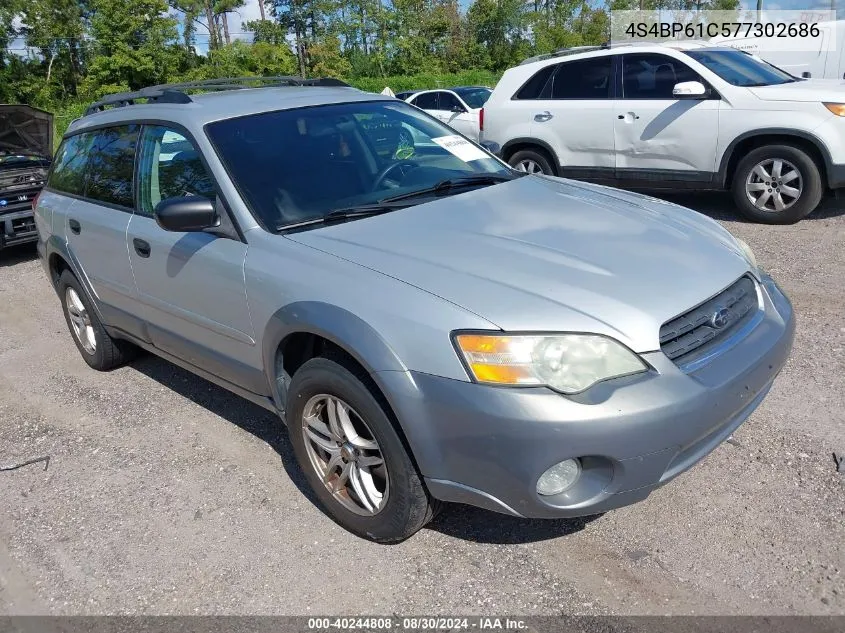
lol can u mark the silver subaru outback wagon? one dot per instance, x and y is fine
(430, 325)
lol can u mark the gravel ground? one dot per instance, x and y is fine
(168, 495)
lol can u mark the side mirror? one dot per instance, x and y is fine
(689, 90)
(186, 214)
(458, 108)
(491, 146)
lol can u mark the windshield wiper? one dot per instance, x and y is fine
(453, 183)
(341, 215)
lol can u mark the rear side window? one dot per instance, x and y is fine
(427, 101)
(583, 79)
(68, 174)
(111, 165)
(533, 88)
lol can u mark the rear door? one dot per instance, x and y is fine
(191, 285)
(657, 136)
(573, 115)
(96, 168)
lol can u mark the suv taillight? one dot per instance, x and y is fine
(481, 120)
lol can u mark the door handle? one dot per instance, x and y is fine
(75, 226)
(142, 247)
(542, 117)
(622, 116)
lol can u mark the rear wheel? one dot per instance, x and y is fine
(532, 162)
(777, 184)
(351, 454)
(98, 349)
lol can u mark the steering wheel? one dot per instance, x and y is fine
(382, 175)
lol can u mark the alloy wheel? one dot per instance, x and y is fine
(774, 185)
(529, 166)
(80, 321)
(345, 455)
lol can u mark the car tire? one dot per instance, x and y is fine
(98, 349)
(804, 190)
(531, 161)
(405, 505)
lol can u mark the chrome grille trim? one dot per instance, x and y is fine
(691, 340)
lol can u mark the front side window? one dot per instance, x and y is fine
(450, 103)
(426, 101)
(739, 68)
(651, 76)
(583, 79)
(111, 165)
(68, 174)
(301, 164)
(170, 168)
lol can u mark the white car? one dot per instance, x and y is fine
(459, 108)
(649, 116)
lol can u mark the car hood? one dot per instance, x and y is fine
(25, 130)
(808, 90)
(547, 254)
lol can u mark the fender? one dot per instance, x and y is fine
(722, 174)
(341, 327)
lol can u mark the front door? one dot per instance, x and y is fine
(657, 136)
(191, 284)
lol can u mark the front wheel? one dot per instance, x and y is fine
(351, 454)
(777, 184)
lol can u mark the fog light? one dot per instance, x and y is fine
(559, 477)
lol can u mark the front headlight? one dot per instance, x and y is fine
(749, 254)
(837, 108)
(564, 362)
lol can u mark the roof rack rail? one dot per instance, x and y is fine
(177, 92)
(574, 50)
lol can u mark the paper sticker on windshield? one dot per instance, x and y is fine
(460, 147)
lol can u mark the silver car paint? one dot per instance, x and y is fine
(532, 254)
(549, 255)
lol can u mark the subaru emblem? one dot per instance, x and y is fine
(720, 318)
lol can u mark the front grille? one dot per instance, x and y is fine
(18, 200)
(695, 333)
(23, 225)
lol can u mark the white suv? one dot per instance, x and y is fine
(650, 116)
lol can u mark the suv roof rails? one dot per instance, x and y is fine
(177, 92)
(574, 50)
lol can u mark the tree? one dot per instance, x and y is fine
(135, 45)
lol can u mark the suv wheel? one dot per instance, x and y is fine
(532, 162)
(351, 454)
(777, 184)
(99, 350)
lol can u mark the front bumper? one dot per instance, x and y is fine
(487, 446)
(17, 228)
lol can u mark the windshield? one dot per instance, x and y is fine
(739, 68)
(297, 165)
(474, 97)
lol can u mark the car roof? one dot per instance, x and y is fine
(586, 52)
(229, 104)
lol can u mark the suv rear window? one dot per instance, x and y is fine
(583, 79)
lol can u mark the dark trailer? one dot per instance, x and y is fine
(26, 149)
